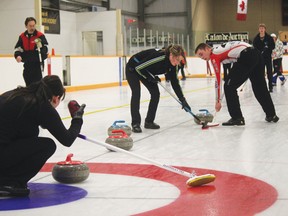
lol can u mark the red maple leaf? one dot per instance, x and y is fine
(242, 5)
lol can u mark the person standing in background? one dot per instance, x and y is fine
(31, 49)
(265, 44)
(277, 55)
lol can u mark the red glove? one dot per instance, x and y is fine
(76, 111)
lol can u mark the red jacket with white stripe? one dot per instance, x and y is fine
(226, 53)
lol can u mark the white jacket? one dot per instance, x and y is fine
(278, 51)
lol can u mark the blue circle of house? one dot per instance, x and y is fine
(43, 195)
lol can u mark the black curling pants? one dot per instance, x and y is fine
(134, 82)
(181, 68)
(268, 64)
(249, 65)
(32, 72)
(21, 160)
(277, 66)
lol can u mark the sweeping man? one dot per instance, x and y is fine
(247, 63)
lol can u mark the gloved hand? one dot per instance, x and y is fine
(76, 111)
(185, 105)
(154, 79)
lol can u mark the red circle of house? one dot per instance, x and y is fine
(230, 194)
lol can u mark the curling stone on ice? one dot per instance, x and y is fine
(119, 125)
(204, 116)
(69, 171)
(120, 139)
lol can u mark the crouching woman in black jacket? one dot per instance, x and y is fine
(22, 151)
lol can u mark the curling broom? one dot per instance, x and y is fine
(204, 124)
(193, 180)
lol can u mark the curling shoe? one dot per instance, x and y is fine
(274, 119)
(136, 128)
(14, 190)
(232, 122)
(151, 125)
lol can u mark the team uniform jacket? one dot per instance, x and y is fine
(278, 51)
(27, 48)
(226, 53)
(265, 45)
(15, 127)
(155, 62)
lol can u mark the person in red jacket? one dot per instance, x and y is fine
(247, 63)
(27, 50)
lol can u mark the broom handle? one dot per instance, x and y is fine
(186, 109)
(156, 163)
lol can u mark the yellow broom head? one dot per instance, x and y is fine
(200, 180)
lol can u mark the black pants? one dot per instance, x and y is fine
(181, 68)
(21, 160)
(277, 66)
(134, 82)
(226, 68)
(249, 65)
(32, 72)
(268, 64)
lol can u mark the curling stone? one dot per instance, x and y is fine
(204, 116)
(69, 171)
(120, 139)
(119, 125)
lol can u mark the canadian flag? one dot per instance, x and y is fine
(242, 10)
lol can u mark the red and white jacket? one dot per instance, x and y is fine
(226, 53)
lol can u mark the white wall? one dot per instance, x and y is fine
(90, 70)
(94, 70)
(64, 43)
(100, 21)
(12, 17)
(69, 41)
(11, 72)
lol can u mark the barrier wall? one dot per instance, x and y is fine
(94, 70)
(88, 71)
(11, 72)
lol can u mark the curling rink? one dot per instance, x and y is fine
(250, 162)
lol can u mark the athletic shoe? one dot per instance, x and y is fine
(275, 119)
(136, 128)
(14, 190)
(151, 125)
(283, 82)
(232, 122)
(273, 84)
